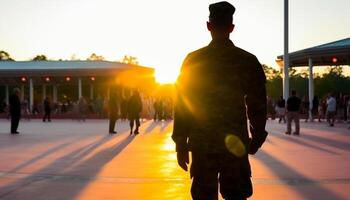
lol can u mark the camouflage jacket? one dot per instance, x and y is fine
(220, 85)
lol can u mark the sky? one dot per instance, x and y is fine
(161, 32)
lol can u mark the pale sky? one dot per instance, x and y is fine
(161, 32)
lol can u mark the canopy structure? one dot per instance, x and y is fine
(333, 53)
(56, 73)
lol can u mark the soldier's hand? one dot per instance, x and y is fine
(183, 159)
(254, 144)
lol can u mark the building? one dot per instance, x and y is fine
(59, 79)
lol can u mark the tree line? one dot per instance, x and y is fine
(5, 56)
(333, 80)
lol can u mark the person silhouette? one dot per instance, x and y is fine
(113, 109)
(219, 88)
(15, 110)
(133, 111)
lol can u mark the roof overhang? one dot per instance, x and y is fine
(334, 53)
(66, 68)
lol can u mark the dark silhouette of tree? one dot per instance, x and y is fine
(95, 57)
(40, 58)
(130, 60)
(4, 56)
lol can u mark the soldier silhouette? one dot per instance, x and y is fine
(219, 87)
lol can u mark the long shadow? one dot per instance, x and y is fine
(302, 143)
(81, 153)
(164, 125)
(87, 168)
(38, 157)
(151, 127)
(330, 142)
(295, 178)
(90, 147)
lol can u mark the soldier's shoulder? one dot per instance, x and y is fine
(197, 53)
(245, 54)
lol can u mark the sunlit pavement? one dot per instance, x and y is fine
(75, 160)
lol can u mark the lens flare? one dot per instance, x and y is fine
(234, 145)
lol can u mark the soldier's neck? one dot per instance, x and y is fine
(219, 36)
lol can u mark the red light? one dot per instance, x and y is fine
(23, 79)
(92, 78)
(47, 79)
(67, 78)
(334, 59)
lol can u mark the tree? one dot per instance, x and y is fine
(40, 58)
(130, 60)
(95, 57)
(4, 56)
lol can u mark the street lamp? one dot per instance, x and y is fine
(24, 79)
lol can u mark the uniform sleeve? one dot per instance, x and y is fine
(256, 104)
(181, 112)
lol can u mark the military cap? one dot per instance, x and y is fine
(221, 13)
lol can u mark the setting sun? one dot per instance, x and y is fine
(166, 76)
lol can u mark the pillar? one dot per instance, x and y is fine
(44, 91)
(80, 92)
(31, 94)
(91, 91)
(54, 95)
(311, 86)
(22, 92)
(7, 95)
(286, 56)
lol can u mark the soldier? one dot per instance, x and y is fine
(219, 87)
(15, 110)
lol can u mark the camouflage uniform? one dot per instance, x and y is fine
(219, 86)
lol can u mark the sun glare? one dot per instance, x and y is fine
(166, 76)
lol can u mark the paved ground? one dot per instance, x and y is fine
(66, 160)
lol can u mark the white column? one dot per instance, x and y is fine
(22, 92)
(44, 91)
(311, 86)
(91, 91)
(79, 88)
(54, 95)
(286, 56)
(7, 95)
(31, 94)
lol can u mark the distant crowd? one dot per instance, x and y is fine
(332, 108)
(153, 108)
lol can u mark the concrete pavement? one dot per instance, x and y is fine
(67, 159)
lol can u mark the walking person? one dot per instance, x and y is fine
(218, 85)
(306, 108)
(281, 109)
(331, 109)
(113, 111)
(15, 110)
(293, 109)
(134, 110)
(47, 110)
(82, 109)
(314, 109)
